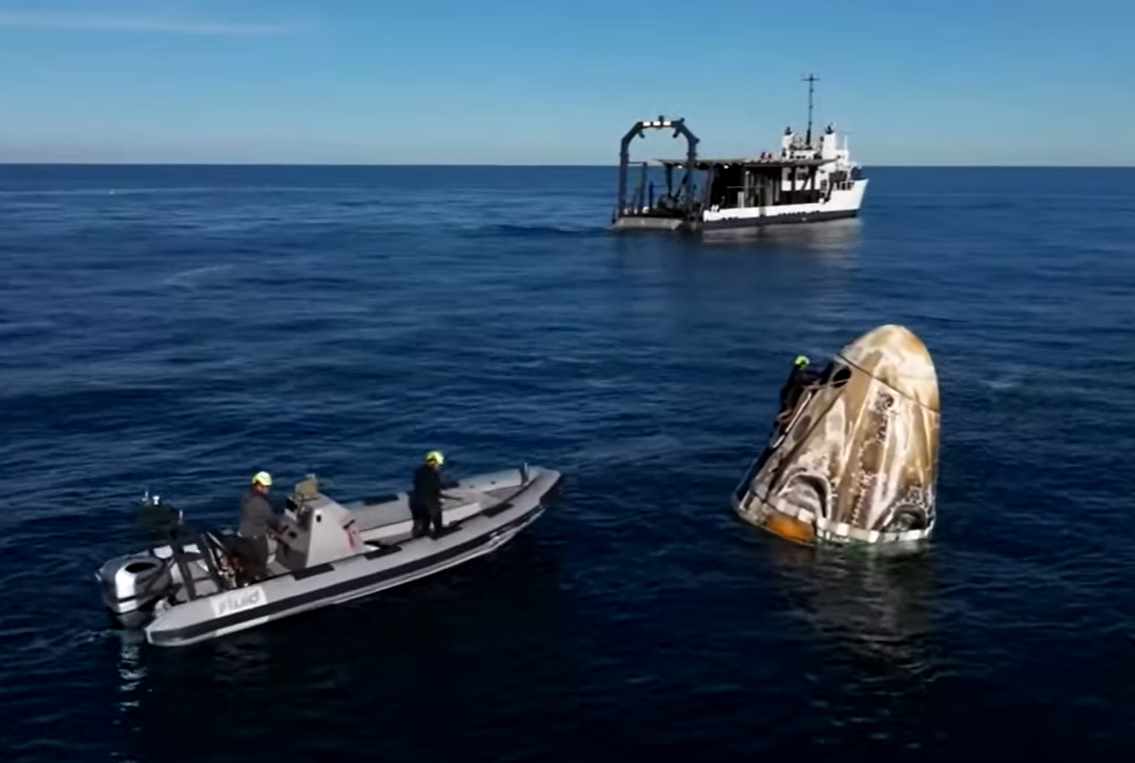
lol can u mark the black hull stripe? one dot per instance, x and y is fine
(347, 586)
(311, 572)
(794, 218)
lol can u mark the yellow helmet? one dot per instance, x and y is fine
(435, 457)
(801, 361)
(262, 478)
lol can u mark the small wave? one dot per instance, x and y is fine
(174, 190)
(25, 328)
(532, 231)
(1001, 385)
(194, 276)
(626, 450)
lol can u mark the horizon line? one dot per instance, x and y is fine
(514, 164)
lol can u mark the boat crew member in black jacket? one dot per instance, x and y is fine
(425, 501)
(257, 519)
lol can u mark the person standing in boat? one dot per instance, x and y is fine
(257, 519)
(425, 501)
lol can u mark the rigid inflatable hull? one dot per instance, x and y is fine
(380, 567)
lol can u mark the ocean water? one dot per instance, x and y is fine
(177, 328)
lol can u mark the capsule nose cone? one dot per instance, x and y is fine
(896, 357)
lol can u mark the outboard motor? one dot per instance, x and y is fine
(132, 585)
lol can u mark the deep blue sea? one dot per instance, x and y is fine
(177, 328)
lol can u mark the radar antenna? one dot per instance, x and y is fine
(811, 79)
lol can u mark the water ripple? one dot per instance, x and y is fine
(200, 323)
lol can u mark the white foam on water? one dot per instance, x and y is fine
(194, 276)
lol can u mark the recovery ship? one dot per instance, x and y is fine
(806, 181)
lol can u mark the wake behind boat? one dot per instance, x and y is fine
(199, 585)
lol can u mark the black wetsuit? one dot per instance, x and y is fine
(793, 388)
(425, 501)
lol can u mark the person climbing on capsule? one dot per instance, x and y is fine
(799, 379)
(425, 500)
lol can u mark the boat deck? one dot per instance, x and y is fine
(382, 521)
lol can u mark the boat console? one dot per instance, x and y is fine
(316, 529)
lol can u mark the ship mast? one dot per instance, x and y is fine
(811, 79)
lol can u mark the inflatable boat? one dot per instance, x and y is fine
(203, 585)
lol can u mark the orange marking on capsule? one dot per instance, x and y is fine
(790, 528)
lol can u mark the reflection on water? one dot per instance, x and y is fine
(131, 671)
(876, 604)
(835, 236)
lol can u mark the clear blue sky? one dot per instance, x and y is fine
(956, 82)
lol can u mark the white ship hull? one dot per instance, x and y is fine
(842, 204)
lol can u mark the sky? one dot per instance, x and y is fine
(509, 82)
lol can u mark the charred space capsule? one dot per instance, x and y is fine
(857, 460)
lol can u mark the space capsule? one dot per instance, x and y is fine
(856, 459)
